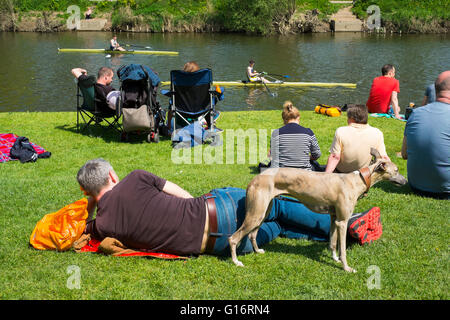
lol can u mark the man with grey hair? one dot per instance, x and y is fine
(426, 144)
(146, 212)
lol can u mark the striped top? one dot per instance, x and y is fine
(292, 145)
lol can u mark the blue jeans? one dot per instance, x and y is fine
(288, 218)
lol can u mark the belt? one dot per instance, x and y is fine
(212, 215)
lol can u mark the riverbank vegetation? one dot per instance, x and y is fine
(410, 16)
(255, 16)
(411, 257)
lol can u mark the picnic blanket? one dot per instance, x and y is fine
(111, 246)
(7, 141)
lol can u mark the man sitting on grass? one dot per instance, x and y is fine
(146, 212)
(351, 146)
(426, 144)
(383, 93)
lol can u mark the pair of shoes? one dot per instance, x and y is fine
(366, 227)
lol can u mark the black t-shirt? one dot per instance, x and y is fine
(142, 216)
(101, 91)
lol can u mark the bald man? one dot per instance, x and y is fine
(426, 144)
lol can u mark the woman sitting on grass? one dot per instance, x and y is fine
(293, 145)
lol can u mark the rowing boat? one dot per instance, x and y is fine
(278, 84)
(118, 52)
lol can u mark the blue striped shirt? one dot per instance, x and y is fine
(292, 146)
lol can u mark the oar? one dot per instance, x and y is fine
(137, 46)
(279, 75)
(273, 79)
(267, 88)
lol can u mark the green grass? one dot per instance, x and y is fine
(412, 255)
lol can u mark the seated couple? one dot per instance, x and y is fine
(106, 95)
(295, 146)
(147, 212)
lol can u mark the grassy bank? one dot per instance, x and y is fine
(256, 16)
(412, 255)
(409, 16)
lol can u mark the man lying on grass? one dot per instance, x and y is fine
(147, 212)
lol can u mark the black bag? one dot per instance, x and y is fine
(409, 110)
(24, 151)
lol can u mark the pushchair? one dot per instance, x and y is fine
(138, 103)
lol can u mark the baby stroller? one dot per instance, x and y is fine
(138, 104)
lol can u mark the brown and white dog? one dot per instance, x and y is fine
(332, 193)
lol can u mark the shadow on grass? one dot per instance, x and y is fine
(107, 134)
(314, 250)
(389, 187)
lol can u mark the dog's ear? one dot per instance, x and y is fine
(381, 167)
(374, 152)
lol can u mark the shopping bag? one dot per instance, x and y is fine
(58, 230)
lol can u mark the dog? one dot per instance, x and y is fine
(321, 192)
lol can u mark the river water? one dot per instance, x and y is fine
(35, 77)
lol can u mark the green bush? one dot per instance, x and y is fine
(254, 16)
(50, 5)
(403, 11)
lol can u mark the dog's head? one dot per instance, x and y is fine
(383, 169)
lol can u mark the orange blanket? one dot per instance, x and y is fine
(114, 247)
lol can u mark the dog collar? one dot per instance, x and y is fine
(366, 176)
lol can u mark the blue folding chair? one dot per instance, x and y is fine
(192, 97)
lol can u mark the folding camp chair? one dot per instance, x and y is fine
(192, 97)
(92, 110)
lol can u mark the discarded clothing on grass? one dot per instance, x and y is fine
(13, 147)
(114, 247)
(193, 135)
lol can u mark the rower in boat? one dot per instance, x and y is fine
(257, 77)
(114, 45)
(254, 76)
